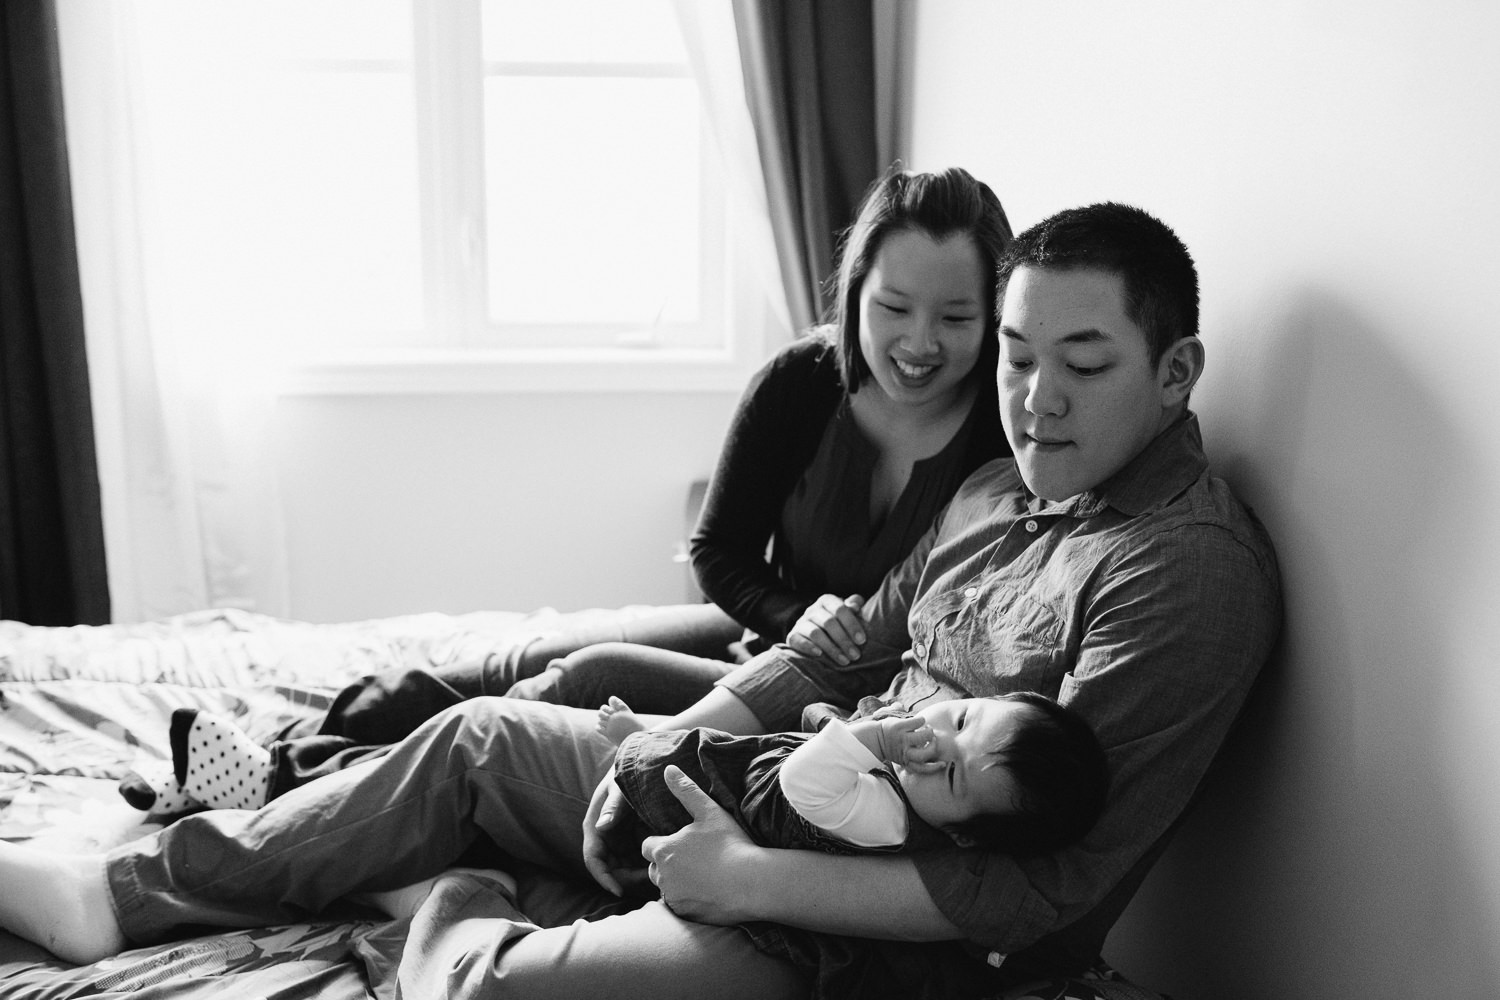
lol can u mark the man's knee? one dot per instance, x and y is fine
(499, 732)
(648, 952)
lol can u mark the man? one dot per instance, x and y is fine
(1103, 567)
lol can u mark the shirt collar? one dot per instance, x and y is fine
(1171, 463)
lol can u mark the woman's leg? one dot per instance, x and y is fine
(699, 630)
(387, 707)
(651, 681)
(296, 762)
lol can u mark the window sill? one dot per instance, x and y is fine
(513, 371)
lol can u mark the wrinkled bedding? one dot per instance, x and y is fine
(81, 706)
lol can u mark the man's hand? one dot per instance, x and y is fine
(832, 627)
(702, 870)
(606, 809)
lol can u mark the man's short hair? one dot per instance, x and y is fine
(1161, 283)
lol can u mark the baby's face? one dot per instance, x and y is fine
(965, 779)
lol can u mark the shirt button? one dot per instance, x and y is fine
(971, 592)
(1031, 525)
(920, 649)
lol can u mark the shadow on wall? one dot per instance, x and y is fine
(1324, 857)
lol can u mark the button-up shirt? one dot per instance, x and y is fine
(1147, 604)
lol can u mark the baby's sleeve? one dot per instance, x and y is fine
(829, 781)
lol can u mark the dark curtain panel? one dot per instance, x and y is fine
(809, 69)
(51, 532)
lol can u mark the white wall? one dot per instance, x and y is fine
(458, 502)
(1334, 167)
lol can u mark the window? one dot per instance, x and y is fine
(400, 179)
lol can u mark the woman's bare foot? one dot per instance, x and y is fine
(59, 901)
(617, 721)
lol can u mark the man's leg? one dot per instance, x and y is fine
(472, 939)
(520, 772)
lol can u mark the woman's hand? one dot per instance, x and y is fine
(606, 808)
(705, 870)
(832, 627)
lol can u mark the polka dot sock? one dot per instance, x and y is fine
(216, 763)
(152, 788)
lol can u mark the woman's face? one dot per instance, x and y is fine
(922, 312)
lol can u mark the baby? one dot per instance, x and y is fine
(1016, 773)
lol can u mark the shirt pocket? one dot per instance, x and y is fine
(1017, 644)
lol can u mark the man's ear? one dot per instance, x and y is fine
(1178, 371)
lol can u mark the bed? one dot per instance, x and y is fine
(81, 706)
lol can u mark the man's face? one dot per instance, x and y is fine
(1079, 395)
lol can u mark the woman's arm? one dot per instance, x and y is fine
(771, 439)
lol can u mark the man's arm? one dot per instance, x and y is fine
(719, 709)
(710, 871)
(1174, 630)
(777, 685)
(768, 695)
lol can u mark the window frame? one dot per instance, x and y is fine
(468, 352)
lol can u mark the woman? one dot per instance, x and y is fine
(844, 447)
(843, 450)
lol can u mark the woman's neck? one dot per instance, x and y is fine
(884, 419)
(903, 436)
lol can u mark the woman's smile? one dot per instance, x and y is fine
(922, 315)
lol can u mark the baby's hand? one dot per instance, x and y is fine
(907, 740)
(617, 721)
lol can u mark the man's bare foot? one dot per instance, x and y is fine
(59, 901)
(617, 721)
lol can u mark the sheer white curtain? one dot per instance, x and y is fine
(708, 30)
(185, 419)
(191, 515)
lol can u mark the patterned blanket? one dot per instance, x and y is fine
(81, 706)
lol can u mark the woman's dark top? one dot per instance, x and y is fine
(795, 472)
